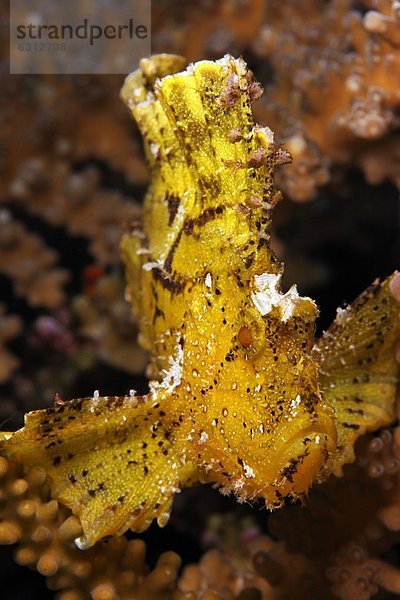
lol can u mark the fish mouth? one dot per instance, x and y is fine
(302, 458)
(293, 461)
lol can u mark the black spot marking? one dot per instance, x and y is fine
(168, 260)
(291, 469)
(172, 284)
(355, 411)
(249, 260)
(207, 215)
(173, 203)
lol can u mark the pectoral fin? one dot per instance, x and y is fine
(358, 367)
(115, 461)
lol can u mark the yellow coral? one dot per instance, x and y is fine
(242, 397)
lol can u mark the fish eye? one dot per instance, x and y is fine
(250, 335)
(244, 336)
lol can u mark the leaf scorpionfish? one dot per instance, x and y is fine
(241, 394)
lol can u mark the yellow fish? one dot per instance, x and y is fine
(242, 395)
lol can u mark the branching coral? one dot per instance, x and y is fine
(70, 205)
(76, 201)
(265, 571)
(30, 264)
(10, 326)
(107, 325)
(75, 118)
(336, 97)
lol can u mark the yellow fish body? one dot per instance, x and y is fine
(241, 394)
